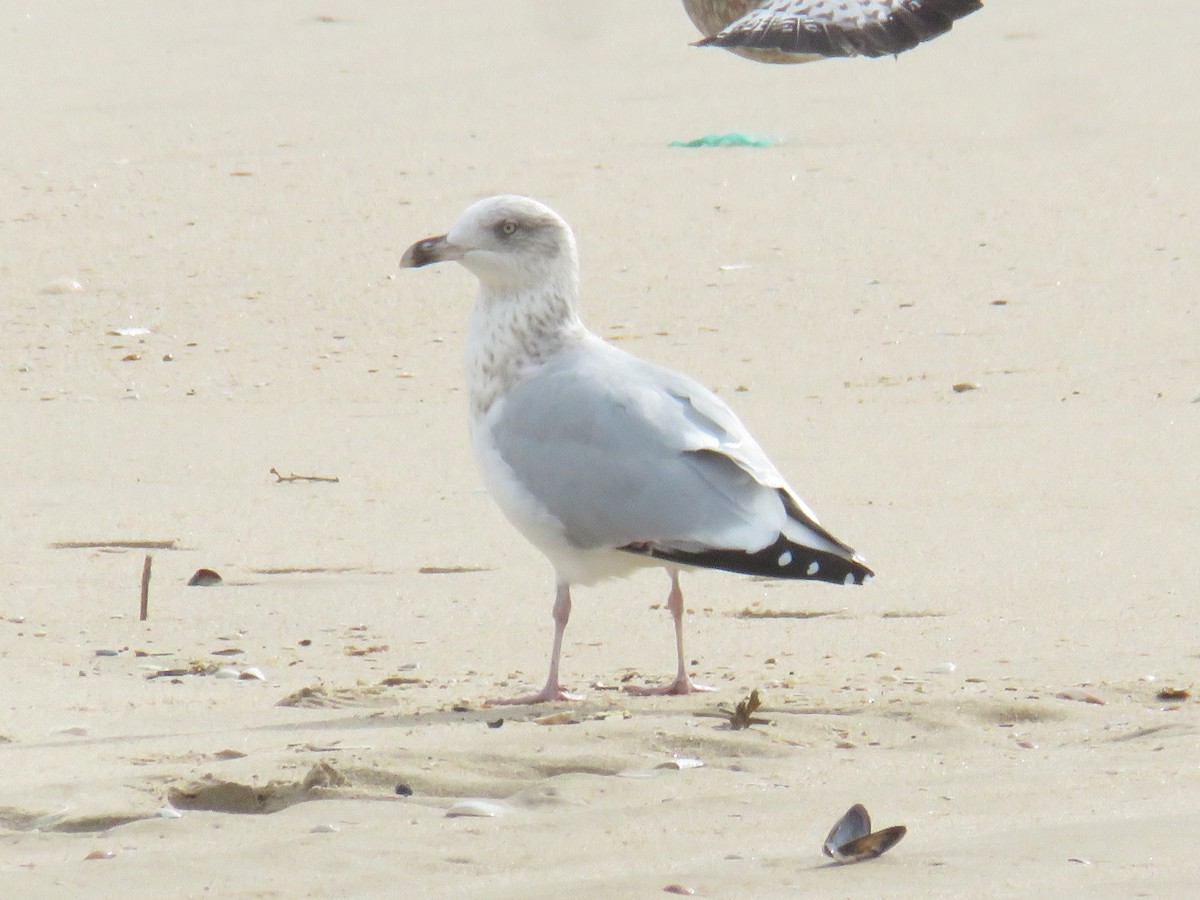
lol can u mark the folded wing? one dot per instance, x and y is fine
(631, 456)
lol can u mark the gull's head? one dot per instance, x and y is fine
(506, 242)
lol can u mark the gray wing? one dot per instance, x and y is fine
(633, 456)
(831, 28)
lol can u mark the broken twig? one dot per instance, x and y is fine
(293, 477)
(145, 607)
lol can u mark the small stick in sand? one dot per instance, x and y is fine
(145, 609)
(280, 478)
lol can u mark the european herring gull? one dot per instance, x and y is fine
(796, 31)
(604, 461)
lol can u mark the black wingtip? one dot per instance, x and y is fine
(783, 559)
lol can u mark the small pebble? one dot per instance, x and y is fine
(324, 828)
(101, 854)
(254, 673)
(679, 889)
(942, 668)
(403, 790)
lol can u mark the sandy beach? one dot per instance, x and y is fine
(956, 301)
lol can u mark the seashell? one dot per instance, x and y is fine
(101, 854)
(851, 839)
(254, 673)
(944, 668)
(483, 809)
(204, 578)
(63, 286)
(681, 763)
(558, 718)
(1173, 695)
(228, 672)
(169, 812)
(324, 828)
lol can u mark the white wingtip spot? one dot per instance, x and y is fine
(785, 558)
(813, 568)
(849, 578)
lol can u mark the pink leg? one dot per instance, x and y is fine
(682, 684)
(553, 690)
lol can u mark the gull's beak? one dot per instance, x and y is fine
(431, 250)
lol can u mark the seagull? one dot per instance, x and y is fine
(797, 31)
(606, 462)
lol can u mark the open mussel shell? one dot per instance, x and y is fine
(851, 839)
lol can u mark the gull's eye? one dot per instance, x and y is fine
(507, 227)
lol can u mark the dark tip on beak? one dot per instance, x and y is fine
(431, 250)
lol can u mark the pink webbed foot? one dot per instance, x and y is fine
(553, 690)
(681, 685)
(547, 694)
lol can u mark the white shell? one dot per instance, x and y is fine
(478, 808)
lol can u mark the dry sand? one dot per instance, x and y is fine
(240, 179)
